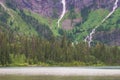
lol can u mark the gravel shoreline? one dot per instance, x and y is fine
(59, 71)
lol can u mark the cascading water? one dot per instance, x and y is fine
(63, 12)
(6, 9)
(89, 38)
(3, 5)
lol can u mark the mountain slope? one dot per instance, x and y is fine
(39, 18)
(23, 24)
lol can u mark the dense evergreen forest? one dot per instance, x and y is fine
(25, 51)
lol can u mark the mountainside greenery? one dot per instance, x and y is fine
(25, 22)
(27, 38)
(112, 23)
(83, 29)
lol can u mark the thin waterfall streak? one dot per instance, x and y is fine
(6, 9)
(63, 12)
(3, 5)
(89, 38)
(114, 8)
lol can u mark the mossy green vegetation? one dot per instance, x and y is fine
(20, 26)
(90, 18)
(80, 30)
(112, 22)
(94, 19)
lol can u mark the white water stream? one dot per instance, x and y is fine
(63, 12)
(7, 9)
(89, 38)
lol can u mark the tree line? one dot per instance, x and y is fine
(33, 50)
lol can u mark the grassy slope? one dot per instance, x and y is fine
(52, 23)
(19, 25)
(112, 22)
(94, 18)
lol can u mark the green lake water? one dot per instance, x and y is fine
(57, 78)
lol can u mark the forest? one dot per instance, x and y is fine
(31, 50)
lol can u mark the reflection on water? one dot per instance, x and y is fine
(56, 78)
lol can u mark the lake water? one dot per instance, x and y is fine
(57, 78)
(60, 73)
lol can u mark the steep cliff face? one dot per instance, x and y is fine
(108, 37)
(51, 8)
(46, 8)
(81, 4)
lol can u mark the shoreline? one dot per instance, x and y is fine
(59, 71)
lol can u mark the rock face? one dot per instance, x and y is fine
(52, 8)
(43, 7)
(109, 37)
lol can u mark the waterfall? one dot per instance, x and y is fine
(63, 12)
(89, 38)
(3, 5)
(6, 9)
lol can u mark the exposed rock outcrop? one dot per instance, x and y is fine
(108, 37)
(52, 8)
